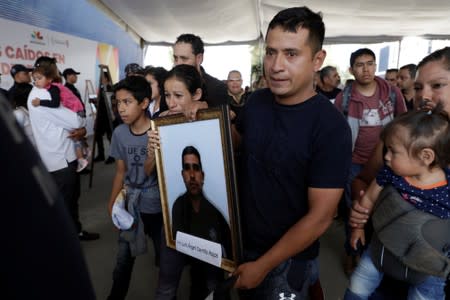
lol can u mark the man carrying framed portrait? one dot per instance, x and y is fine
(295, 155)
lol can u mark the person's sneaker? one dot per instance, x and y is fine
(88, 236)
(109, 160)
(82, 164)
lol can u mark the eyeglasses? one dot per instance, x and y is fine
(189, 167)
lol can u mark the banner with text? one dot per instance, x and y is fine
(23, 44)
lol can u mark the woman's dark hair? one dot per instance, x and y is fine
(438, 55)
(188, 75)
(160, 74)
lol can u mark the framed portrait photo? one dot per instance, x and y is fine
(197, 184)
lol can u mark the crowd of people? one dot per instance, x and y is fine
(53, 118)
(309, 149)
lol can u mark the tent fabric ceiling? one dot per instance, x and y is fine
(240, 21)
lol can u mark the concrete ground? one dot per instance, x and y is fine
(101, 254)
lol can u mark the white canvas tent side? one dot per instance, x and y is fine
(243, 21)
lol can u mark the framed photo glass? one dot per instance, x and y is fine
(197, 183)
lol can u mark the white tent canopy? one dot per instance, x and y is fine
(242, 21)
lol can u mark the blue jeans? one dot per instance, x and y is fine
(366, 278)
(291, 279)
(125, 262)
(204, 277)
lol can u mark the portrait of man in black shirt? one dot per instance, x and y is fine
(192, 212)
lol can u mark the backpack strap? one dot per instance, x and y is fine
(346, 99)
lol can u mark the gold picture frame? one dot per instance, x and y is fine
(210, 134)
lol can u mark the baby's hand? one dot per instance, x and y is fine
(357, 235)
(36, 102)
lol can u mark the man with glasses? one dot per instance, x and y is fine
(236, 94)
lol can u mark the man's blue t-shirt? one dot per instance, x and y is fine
(285, 151)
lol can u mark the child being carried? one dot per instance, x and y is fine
(45, 77)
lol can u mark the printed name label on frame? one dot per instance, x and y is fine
(199, 248)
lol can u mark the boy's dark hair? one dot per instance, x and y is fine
(361, 52)
(412, 68)
(291, 19)
(325, 71)
(195, 41)
(136, 85)
(191, 150)
(438, 55)
(187, 74)
(425, 130)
